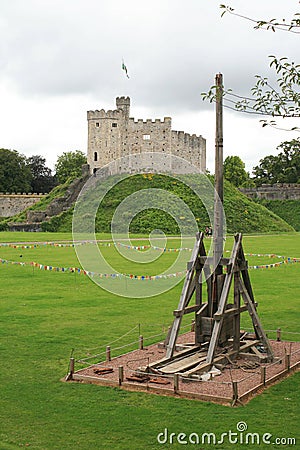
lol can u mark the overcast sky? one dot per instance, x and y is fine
(60, 58)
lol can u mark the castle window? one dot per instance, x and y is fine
(146, 137)
(97, 124)
(95, 156)
(114, 125)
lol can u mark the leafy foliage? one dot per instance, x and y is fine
(42, 179)
(283, 168)
(272, 24)
(69, 164)
(279, 100)
(15, 175)
(234, 171)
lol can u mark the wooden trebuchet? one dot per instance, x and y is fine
(217, 333)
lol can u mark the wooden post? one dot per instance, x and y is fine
(218, 201)
(263, 375)
(278, 332)
(72, 365)
(69, 376)
(141, 343)
(193, 325)
(121, 375)
(108, 354)
(176, 383)
(288, 362)
(235, 394)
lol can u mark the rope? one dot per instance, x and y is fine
(112, 342)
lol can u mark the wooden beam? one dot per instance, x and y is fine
(230, 312)
(223, 300)
(255, 319)
(187, 310)
(209, 260)
(237, 318)
(185, 295)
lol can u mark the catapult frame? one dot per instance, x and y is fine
(218, 337)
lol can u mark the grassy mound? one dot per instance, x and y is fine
(242, 214)
(288, 210)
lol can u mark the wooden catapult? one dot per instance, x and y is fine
(218, 338)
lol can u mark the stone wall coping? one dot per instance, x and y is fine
(2, 194)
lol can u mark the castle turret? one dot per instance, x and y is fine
(124, 104)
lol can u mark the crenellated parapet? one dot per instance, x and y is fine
(185, 138)
(165, 121)
(102, 114)
(120, 101)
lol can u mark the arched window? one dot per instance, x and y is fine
(95, 156)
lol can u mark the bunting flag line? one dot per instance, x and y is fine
(120, 244)
(131, 276)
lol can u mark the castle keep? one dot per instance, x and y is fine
(114, 134)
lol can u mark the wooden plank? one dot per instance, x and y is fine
(183, 364)
(166, 359)
(219, 359)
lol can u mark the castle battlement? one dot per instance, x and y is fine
(166, 120)
(181, 136)
(122, 100)
(113, 134)
(102, 114)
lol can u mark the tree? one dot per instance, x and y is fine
(42, 179)
(283, 168)
(69, 165)
(234, 171)
(279, 100)
(15, 175)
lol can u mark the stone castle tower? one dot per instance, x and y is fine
(113, 134)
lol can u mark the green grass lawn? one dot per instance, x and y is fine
(44, 315)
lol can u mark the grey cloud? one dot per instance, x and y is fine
(172, 49)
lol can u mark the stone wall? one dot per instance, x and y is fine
(283, 191)
(11, 204)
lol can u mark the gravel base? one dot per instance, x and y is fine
(218, 389)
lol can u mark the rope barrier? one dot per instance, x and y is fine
(112, 342)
